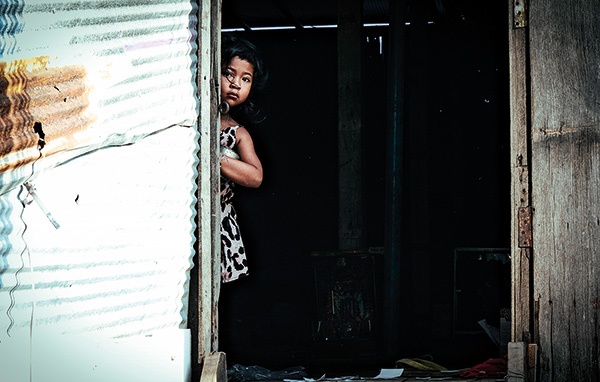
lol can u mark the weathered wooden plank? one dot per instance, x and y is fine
(566, 264)
(215, 166)
(214, 368)
(565, 77)
(349, 52)
(520, 152)
(532, 362)
(209, 26)
(517, 362)
(564, 45)
(201, 345)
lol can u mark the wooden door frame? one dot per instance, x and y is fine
(520, 149)
(554, 160)
(206, 274)
(522, 318)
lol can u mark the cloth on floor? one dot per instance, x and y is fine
(492, 368)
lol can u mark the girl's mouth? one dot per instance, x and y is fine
(232, 95)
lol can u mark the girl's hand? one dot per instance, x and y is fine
(247, 171)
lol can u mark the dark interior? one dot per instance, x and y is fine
(456, 190)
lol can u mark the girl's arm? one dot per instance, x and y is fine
(247, 171)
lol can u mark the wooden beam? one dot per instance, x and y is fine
(349, 53)
(520, 145)
(215, 168)
(208, 237)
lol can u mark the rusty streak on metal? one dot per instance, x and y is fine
(54, 99)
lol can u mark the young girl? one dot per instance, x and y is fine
(242, 77)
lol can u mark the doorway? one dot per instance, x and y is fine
(456, 182)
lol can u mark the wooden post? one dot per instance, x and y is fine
(350, 205)
(520, 145)
(215, 168)
(517, 366)
(208, 243)
(394, 170)
(565, 84)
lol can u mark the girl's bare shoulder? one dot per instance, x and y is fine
(242, 133)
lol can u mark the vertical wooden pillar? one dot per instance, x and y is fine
(520, 138)
(206, 276)
(395, 142)
(350, 205)
(520, 164)
(215, 170)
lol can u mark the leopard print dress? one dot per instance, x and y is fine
(233, 254)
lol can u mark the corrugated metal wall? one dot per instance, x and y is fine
(120, 259)
(90, 74)
(98, 109)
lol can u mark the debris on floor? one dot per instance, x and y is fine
(407, 370)
(240, 373)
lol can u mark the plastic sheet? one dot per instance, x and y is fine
(242, 373)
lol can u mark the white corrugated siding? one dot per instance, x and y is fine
(119, 264)
(113, 84)
(119, 261)
(96, 73)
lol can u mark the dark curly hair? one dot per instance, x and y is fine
(247, 112)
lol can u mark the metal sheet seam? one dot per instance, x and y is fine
(6, 246)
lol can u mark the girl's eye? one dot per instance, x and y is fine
(247, 79)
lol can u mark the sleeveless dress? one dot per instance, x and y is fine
(233, 254)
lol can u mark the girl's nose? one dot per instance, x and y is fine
(235, 84)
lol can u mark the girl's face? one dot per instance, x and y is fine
(236, 81)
